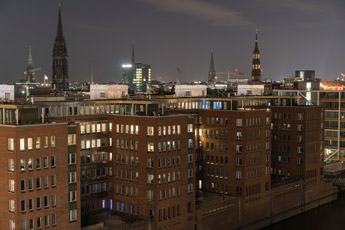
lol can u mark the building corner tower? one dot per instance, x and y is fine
(60, 65)
(212, 72)
(256, 68)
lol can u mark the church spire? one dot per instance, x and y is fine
(212, 62)
(30, 73)
(133, 56)
(212, 72)
(30, 63)
(59, 34)
(256, 42)
(256, 67)
(60, 65)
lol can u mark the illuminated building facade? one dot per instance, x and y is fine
(330, 96)
(137, 76)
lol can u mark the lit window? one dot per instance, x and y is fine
(12, 225)
(104, 127)
(82, 129)
(11, 165)
(22, 144)
(45, 142)
(11, 207)
(11, 185)
(150, 178)
(30, 143)
(52, 141)
(190, 128)
(150, 130)
(38, 142)
(88, 144)
(150, 147)
(22, 164)
(10, 144)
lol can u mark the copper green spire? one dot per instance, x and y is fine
(30, 63)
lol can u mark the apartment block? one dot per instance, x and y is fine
(154, 169)
(35, 177)
(233, 156)
(94, 151)
(297, 143)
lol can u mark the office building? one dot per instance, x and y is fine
(137, 76)
(40, 191)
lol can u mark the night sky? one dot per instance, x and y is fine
(293, 35)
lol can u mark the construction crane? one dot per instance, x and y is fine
(31, 71)
(237, 73)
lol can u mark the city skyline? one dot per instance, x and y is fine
(171, 35)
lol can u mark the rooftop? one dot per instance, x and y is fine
(334, 168)
(209, 199)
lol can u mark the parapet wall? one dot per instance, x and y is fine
(286, 201)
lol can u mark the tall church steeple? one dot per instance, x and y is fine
(30, 73)
(212, 72)
(133, 56)
(256, 68)
(60, 64)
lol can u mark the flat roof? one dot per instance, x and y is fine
(210, 199)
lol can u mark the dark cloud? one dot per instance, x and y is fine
(213, 14)
(293, 34)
